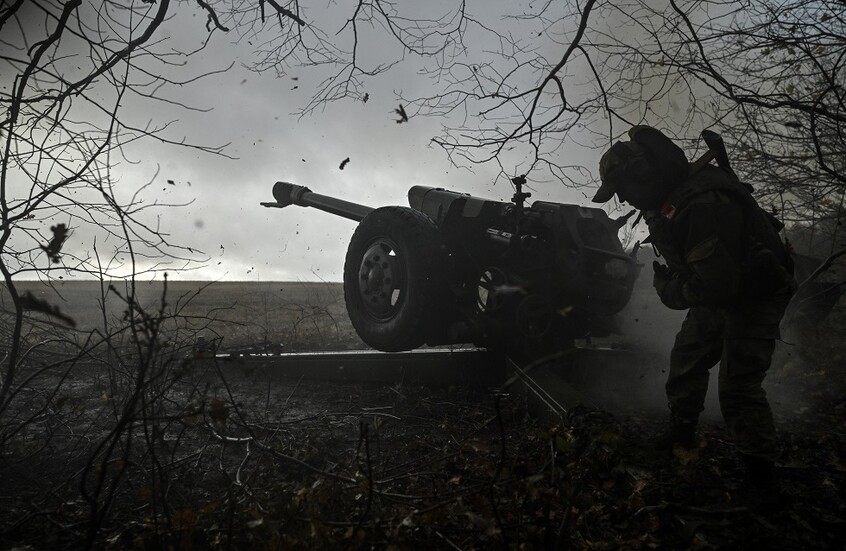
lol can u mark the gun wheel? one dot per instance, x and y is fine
(489, 296)
(392, 283)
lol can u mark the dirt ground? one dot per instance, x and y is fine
(179, 451)
(245, 461)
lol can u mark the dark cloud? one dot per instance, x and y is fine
(253, 114)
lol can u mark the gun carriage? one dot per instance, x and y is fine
(452, 268)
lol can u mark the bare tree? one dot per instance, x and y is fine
(541, 88)
(770, 76)
(533, 86)
(68, 69)
(538, 88)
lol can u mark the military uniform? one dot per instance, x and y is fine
(729, 267)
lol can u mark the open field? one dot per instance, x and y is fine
(289, 316)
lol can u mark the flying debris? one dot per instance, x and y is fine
(54, 247)
(344, 163)
(34, 304)
(401, 112)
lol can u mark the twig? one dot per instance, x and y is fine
(286, 12)
(825, 265)
(449, 541)
(241, 466)
(388, 415)
(293, 390)
(245, 439)
(492, 491)
(212, 16)
(363, 427)
(651, 508)
(303, 464)
(562, 526)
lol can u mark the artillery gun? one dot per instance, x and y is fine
(453, 269)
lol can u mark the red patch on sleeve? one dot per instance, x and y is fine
(668, 211)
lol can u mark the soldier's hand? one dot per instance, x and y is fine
(661, 275)
(668, 286)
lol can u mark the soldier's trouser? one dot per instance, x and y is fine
(742, 342)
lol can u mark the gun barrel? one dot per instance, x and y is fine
(291, 194)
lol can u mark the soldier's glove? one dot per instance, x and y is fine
(668, 286)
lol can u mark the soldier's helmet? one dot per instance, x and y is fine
(650, 157)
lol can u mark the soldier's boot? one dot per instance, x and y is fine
(680, 431)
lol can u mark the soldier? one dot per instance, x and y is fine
(726, 263)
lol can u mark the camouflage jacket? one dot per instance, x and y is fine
(721, 247)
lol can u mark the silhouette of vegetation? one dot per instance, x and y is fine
(128, 435)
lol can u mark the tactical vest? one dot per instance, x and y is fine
(767, 264)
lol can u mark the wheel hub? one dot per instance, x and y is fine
(379, 276)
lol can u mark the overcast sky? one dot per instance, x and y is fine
(254, 114)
